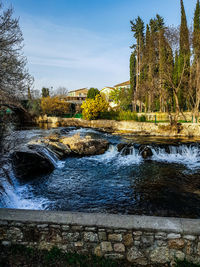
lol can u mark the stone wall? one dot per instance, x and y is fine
(138, 239)
(137, 128)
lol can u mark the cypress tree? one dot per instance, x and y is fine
(196, 32)
(137, 27)
(184, 36)
(132, 71)
(196, 49)
(184, 58)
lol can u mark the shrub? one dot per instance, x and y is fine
(127, 116)
(54, 105)
(92, 93)
(142, 118)
(93, 108)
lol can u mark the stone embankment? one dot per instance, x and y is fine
(128, 127)
(140, 240)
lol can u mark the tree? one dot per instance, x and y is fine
(137, 27)
(93, 108)
(54, 105)
(92, 93)
(14, 77)
(196, 64)
(184, 58)
(132, 75)
(45, 92)
(60, 91)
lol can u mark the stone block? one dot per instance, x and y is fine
(160, 255)
(90, 237)
(65, 227)
(173, 236)
(115, 237)
(77, 227)
(98, 252)
(136, 256)
(102, 236)
(106, 246)
(128, 240)
(176, 244)
(119, 247)
(189, 237)
(137, 233)
(72, 237)
(78, 244)
(90, 229)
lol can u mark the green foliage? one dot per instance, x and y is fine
(45, 92)
(34, 107)
(55, 105)
(123, 97)
(185, 263)
(92, 93)
(132, 72)
(93, 108)
(196, 32)
(127, 116)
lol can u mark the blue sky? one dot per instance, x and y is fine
(85, 43)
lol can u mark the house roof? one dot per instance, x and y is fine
(78, 90)
(107, 87)
(122, 84)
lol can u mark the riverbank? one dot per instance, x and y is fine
(127, 127)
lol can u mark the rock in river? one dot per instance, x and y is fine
(85, 146)
(29, 163)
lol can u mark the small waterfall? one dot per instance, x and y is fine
(52, 157)
(183, 154)
(49, 154)
(129, 155)
(13, 195)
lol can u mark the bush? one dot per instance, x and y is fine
(142, 118)
(92, 93)
(93, 108)
(55, 106)
(127, 116)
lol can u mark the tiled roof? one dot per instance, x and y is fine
(78, 90)
(107, 87)
(122, 84)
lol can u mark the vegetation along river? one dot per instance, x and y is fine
(166, 184)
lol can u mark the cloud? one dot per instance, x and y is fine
(72, 56)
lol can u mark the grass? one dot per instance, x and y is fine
(185, 263)
(19, 255)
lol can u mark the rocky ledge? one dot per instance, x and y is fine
(40, 155)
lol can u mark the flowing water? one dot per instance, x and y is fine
(168, 184)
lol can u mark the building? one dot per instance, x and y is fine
(124, 85)
(79, 92)
(106, 92)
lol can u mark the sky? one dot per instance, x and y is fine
(85, 43)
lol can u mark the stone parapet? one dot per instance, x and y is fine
(142, 240)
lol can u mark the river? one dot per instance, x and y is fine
(168, 184)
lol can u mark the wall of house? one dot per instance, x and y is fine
(138, 239)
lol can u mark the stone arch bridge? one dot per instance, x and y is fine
(22, 114)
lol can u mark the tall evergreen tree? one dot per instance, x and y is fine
(196, 49)
(133, 74)
(184, 58)
(137, 27)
